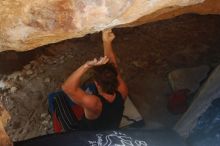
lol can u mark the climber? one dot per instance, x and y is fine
(96, 105)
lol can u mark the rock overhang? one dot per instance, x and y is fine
(30, 24)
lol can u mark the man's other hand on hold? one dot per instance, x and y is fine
(96, 62)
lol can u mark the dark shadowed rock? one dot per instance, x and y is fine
(188, 78)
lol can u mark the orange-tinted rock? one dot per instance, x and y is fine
(29, 24)
(4, 117)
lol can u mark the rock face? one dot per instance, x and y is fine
(203, 99)
(4, 117)
(29, 24)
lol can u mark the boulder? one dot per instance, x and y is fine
(4, 117)
(202, 101)
(29, 24)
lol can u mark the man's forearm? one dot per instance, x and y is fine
(73, 82)
(108, 51)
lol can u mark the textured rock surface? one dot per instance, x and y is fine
(28, 24)
(203, 99)
(4, 117)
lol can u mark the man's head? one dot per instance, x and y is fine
(106, 77)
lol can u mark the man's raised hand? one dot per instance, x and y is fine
(108, 35)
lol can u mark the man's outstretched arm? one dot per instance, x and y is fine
(107, 37)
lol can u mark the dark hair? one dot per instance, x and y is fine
(106, 76)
